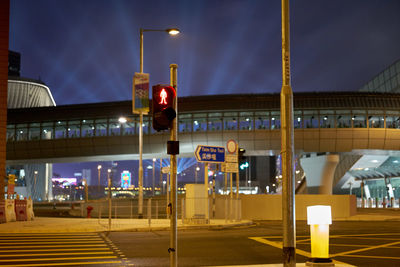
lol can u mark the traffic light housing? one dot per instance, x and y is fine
(163, 107)
(242, 159)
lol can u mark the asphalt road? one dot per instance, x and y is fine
(357, 243)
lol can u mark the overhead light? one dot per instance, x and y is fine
(366, 169)
(374, 161)
(395, 161)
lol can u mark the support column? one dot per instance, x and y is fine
(319, 171)
(4, 33)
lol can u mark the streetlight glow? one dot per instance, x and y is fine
(173, 31)
(122, 120)
(98, 167)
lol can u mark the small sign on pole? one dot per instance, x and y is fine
(140, 93)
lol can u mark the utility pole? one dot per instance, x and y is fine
(287, 151)
(173, 247)
(109, 199)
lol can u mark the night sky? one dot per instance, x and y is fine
(87, 51)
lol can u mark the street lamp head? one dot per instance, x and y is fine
(109, 170)
(98, 167)
(122, 120)
(36, 172)
(154, 159)
(197, 168)
(173, 31)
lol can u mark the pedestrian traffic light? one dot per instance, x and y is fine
(163, 107)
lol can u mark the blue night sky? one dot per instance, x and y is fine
(87, 51)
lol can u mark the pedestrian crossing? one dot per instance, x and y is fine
(71, 249)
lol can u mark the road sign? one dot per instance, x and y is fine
(165, 169)
(231, 158)
(140, 94)
(230, 167)
(231, 146)
(212, 154)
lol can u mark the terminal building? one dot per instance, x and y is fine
(25, 93)
(345, 142)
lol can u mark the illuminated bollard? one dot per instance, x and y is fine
(319, 218)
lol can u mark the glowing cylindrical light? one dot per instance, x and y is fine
(319, 218)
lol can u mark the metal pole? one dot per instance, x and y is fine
(154, 175)
(161, 178)
(231, 195)
(213, 196)
(98, 182)
(173, 249)
(206, 190)
(195, 173)
(168, 180)
(287, 151)
(86, 191)
(141, 137)
(109, 200)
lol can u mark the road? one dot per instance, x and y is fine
(357, 243)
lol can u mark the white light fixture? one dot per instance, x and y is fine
(122, 120)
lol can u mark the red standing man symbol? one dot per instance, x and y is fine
(163, 95)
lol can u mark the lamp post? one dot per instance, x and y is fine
(171, 31)
(154, 174)
(109, 198)
(35, 173)
(195, 174)
(98, 182)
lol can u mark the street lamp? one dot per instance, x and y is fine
(35, 173)
(154, 169)
(170, 31)
(109, 198)
(98, 184)
(195, 174)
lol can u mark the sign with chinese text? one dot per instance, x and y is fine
(213, 154)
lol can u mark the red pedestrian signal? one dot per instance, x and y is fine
(163, 108)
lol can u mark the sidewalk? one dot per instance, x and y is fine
(67, 225)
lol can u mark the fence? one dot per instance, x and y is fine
(155, 208)
(378, 203)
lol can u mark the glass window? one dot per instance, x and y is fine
(199, 122)
(215, 121)
(61, 129)
(128, 128)
(230, 121)
(185, 123)
(297, 119)
(261, 120)
(376, 121)
(114, 127)
(310, 118)
(275, 120)
(146, 125)
(47, 130)
(393, 119)
(11, 132)
(101, 127)
(327, 119)
(246, 121)
(343, 119)
(359, 119)
(34, 131)
(87, 128)
(74, 129)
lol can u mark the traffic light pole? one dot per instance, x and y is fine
(287, 151)
(173, 247)
(140, 208)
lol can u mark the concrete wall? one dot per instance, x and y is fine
(269, 207)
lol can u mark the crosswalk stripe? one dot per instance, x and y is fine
(57, 254)
(60, 259)
(63, 264)
(56, 246)
(50, 240)
(57, 249)
(55, 242)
